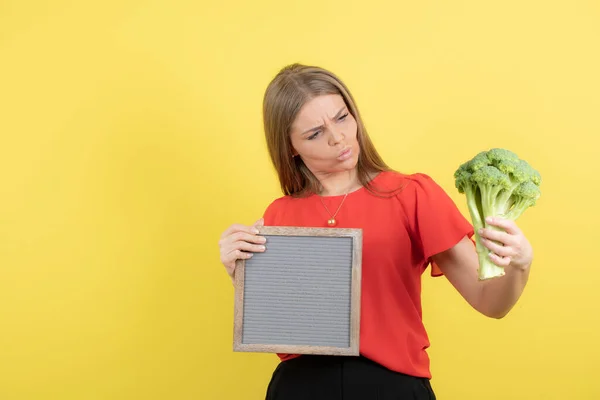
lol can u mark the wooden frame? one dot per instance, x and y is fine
(355, 294)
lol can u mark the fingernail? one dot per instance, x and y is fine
(263, 239)
(489, 220)
(480, 231)
(255, 231)
(263, 248)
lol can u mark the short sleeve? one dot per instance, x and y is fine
(434, 219)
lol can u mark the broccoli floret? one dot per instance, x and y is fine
(496, 183)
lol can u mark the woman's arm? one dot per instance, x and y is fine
(494, 297)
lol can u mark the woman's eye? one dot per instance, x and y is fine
(343, 117)
(314, 135)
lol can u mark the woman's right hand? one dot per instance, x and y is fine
(240, 242)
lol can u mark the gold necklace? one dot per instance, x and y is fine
(332, 221)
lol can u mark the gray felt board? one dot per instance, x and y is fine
(298, 292)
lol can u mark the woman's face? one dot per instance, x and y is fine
(324, 135)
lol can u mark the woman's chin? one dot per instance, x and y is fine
(347, 165)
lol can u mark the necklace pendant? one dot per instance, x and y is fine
(332, 222)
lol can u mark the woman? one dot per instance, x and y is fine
(331, 175)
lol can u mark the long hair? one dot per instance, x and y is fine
(285, 95)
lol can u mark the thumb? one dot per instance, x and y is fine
(259, 223)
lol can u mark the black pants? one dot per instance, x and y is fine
(343, 378)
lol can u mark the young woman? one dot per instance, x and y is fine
(331, 175)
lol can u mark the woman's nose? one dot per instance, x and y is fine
(336, 136)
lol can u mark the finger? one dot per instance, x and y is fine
(497, 236)
(503, 251)
(508, 225)
(245, 246)
(259, 223)
(237, 249)
(239, 228)
(242, 237)
(230, 258)
(500, 261)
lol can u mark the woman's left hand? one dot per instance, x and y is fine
(508, 245)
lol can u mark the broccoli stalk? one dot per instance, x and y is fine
(496, 183)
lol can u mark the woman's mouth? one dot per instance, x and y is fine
(344, 155)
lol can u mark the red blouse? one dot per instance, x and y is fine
(401, 233)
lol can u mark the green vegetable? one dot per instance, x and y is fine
(496, 183)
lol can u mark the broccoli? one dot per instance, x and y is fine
(496, 183)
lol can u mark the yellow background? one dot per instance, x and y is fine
(131, 138)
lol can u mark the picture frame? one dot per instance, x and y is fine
(302, 295)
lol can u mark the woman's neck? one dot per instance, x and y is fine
(339, 183)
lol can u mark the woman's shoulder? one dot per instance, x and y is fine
(411, 189)
(395, 180)
(283, 204)
(278, 203)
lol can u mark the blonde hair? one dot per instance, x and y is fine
(285, 95)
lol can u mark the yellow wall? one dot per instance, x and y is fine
(131, 137)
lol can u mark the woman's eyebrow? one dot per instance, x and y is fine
(339, 112)
(321, 126)
(312, 129)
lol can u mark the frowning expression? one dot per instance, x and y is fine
(324, 135)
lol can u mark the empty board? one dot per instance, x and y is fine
(302, 295)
